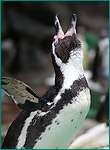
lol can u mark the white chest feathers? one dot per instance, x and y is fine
(69, 121)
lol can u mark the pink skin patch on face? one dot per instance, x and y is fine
(61, 35)
(70, 32)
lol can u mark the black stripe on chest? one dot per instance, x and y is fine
(39, 124)
(74, 90)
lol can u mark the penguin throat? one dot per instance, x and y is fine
(67, 73)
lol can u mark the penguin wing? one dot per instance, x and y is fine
(21, 93)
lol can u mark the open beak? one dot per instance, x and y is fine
(58, 29)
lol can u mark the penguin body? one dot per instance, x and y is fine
(59, 113)
(52, 129)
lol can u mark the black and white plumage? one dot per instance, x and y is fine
(62, 108)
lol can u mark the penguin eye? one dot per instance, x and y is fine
(55, 43)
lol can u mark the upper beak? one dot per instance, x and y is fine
(58, 28)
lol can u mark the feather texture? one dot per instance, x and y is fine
(21, 93)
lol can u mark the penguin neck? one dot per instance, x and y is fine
(67, 73)
(59, 78)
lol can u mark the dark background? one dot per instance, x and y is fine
(27, 30)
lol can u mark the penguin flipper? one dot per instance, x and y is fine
(21, 93)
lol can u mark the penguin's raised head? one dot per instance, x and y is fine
(65, 44)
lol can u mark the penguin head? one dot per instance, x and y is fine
(65, 46)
